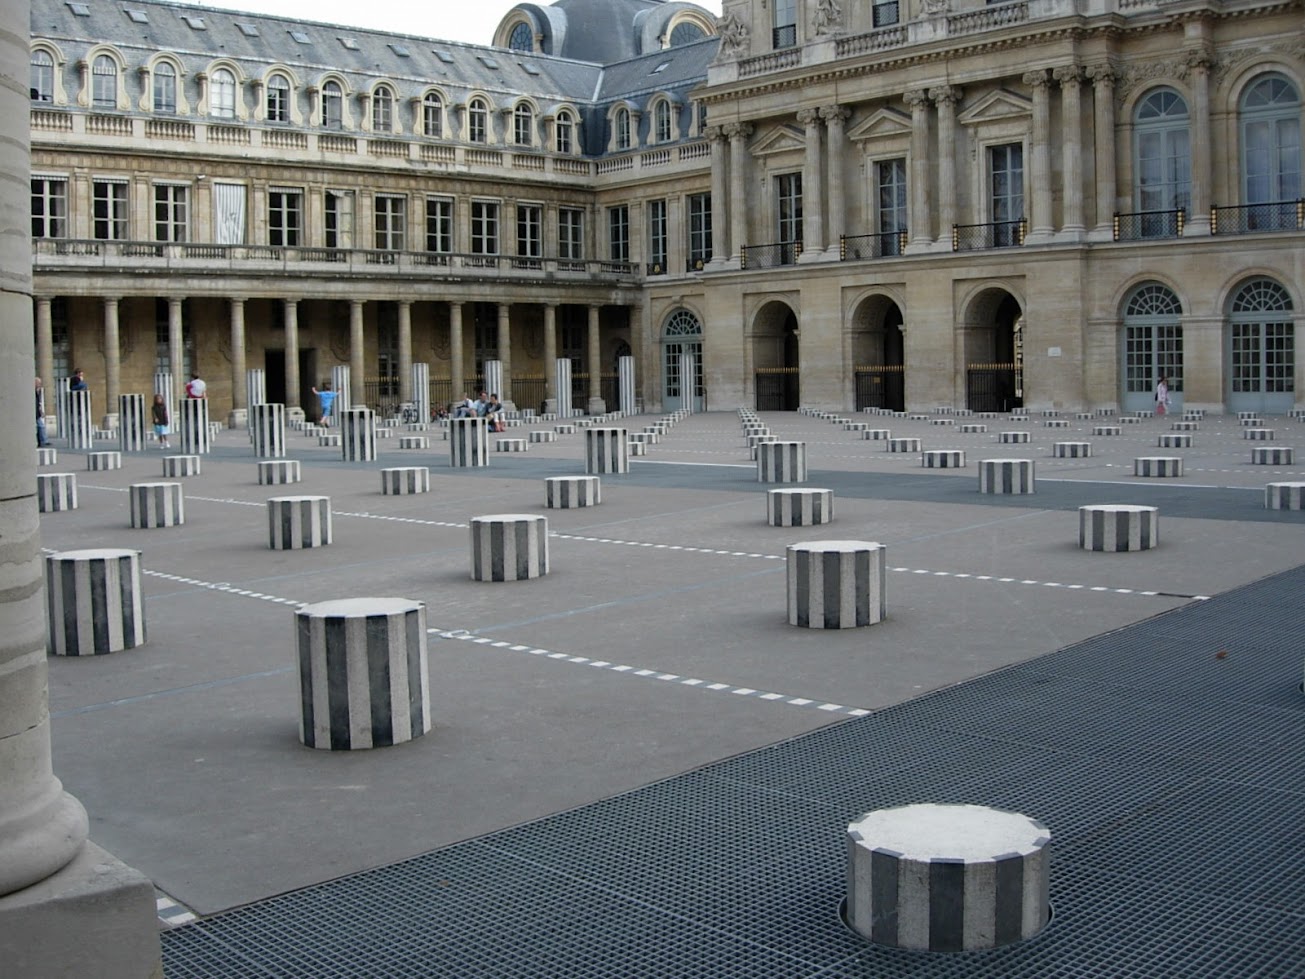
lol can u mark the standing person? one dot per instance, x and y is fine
(196, 388)
(1162, 395)
(326, 398)
(41, 440)
(159, 415)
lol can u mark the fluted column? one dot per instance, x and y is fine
(1071, 126)
(112, 362)
(813, 197)
(239, 399)
(505, 349)
(456, 380)
(720, 239)
(550, 353)
(738, 133)
(835, 117)
(1103, 133)
(946, 98)
(1040, 154)
(357, 355)
(595, 356)
(292, 353)
(176, 349)
(45, 349)
(1199, 64)
(920, 218)
(405, 351)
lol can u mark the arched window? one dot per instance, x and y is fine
(686, 32)
(564, 132)
(477, 121)
(382, 109)
(1271, 151)
(104, 83)
(682, 339)
(523, 124)
(1262, 355)
(42, 80)
(1153, 343)
(432, 116)
(522, 38)
(165, 87)
(662, 122)
(332, 106)
(222, 95)
(278, 99)
(622, 124)
(1162, 154)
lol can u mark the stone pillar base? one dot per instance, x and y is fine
(596, 406)
(95, 917)
(110, 421)
(238, 418)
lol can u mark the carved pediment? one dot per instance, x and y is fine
(780, 139)
(884, 124)
(998, 106)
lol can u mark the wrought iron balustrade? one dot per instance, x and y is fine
(995, 234)
(1246, 219)
(1144, 225)
(770, 256)
(886, 243)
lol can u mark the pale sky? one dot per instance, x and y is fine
(473, 21)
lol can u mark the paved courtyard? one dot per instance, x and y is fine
(657, 645)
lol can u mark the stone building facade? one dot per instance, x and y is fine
(906, 203)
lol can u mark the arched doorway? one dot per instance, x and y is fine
(1260, 342)
(994, 352)
(878, 356)
(1152, 341)
(775, 358)
(682, 385)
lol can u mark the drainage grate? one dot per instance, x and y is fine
(1174, 783)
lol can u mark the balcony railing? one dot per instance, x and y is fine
(1144, 225)
(996, 234)
(770, 256)
(1248, 219)
(853, 247)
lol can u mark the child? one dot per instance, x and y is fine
(159, 413)
(327, 398)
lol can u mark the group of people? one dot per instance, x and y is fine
(159, 418)
(486, 406)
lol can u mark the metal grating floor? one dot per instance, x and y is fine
(1172, 778)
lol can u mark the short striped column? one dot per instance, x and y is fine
(1071, 450)
(47, 456)
(1012, 438)
(132, 430)
(93, 600)
(358, 435)
(1284, 496)
(947, 878)
(1158, 466)
(1006, 477)
(414, 442)
(296, 522)
(277, 472)
(564, 428)
(637, 449)
(1186, 426)
(942, 421)
(328, 439)
(1174, 440)
(1118, 527)
(102, 461)
(195, 436)
(56, 491)
(569, 492)
(973, 428)
(364, 678)
(267, 430)
(178, 466)
(1272, 455)
(903, 445)
(943, 459)
(80, 425)
(877, 434)
(1258, 434)
(782, 462)
(836, 584)
(802, 507)
(856, 426)
(509, 547)
(1105, 430)
(1129, 420)
(157, 505)
(606, 451)
(468, 442)
(403, 480)
(538, 437)
(1248, 417)
(511, 445)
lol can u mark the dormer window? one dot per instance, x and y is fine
(477, 121)
(432, 116)
(165, 87)
(382, 110)
(42, 78)
(523, 124)
(104, 83)
(332, 106)
(278, 99)
(522, 38)
(622, 124)
(222, 94)
(662, 122)
(564, 135)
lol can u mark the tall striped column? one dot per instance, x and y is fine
(606, 450)
(688, 381)
(494, 378)
(131, 422)
(94, 602)
(340, 385)
(267, 430)
(562, 369)
(255, 386)
(421, 390)
(81, 427)
(468, 442)
(625, 385)
(358, 435)
(194, 425)
(61, 395)
(163, 386)
(364, 679)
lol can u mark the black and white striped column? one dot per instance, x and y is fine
(1012, 477)
(358, 435)
(132, 427)
(296, 522)
(538, 437)
(511, 445)
(1106, 430)
(81, 427)
(340, 385)
(468, 442)
(562, 372)
(1273, 455)
(509, 547)
(781, 462)
(55, 492)
(606, 450)
(276, 472)
(568, 492)
(1012, 438)
(175, 467)
(1118, 527)
(625, 385)
(1284, 496)
(364, 678)
(401, 480)
(905, 444)
(47, 456)
(414, 442)
(943, 458)
(421, 390)
(802, 507)
(156, 505)
(103, 461)
(1174, 440)
(1158, 466)
(255, 386)
(836, 584)
(94, 603)
(1071, 450)
(947, 878)
(494, 378)
(193, 413)
(267, 430)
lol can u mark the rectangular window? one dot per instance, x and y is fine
(278, 99)
(618, 233)
(699, 230)
(439, 224)
(104, 83)
(285, 210)
(391, 222)
(571, 234)
(788, 194)
(1006, 191)
(484, 228)
(165, 88)
(784, 34)
(886, 13)
(339, 219)
(229, 213)
(109, 204)
(171, 212)
(530, 221)
(49, 207)
(890, 175)
(657, 237)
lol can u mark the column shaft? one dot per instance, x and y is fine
(112, 358)
(1198, 208)
(595, 355)
(357, 355)
(1040, 153)
(720, 239)
(292, 353)
(919, 217)
(239, 394)
(550, 352)
(813, 196)
(455, 351)
(1071, 126)
(1103, 133)
(739, 177)
(945, 99)
(505, 349)
(45, 349)
(835, 117)
(405, 351)
(176, 349)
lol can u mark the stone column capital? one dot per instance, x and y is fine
(916, 98)
(1036, 80)
(945, 95)
(809, 117)
(1068, 75)
(1103, 75)
(738, 130)
(714, 134)
(835, 114)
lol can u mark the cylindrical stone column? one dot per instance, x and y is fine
(509, 547)
(836, 584)
(94, 601)
(606, 450)
(175, 467)
(468, 442)
(562, 371)
(420, 380)
(358, 435)
(1118, 527)
(494, 375)
(340, 378)
(363, 673)
(799, 507)
(131, 423)
(103, 461)
(405, 479)
(157, 504)
(56, 491)
(1284, 496)
(625, 385)
(80, 425)
(1007, 476)
(275, 472)
(1158, 466)
(267, 430)
(943, 458)
(255, 389)
(195, 433)
(1071, 450)
(567, 492)
(782, 462)
(295, 522)
(947, 878)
